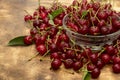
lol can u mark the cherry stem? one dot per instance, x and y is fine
(27, 12)
(38, 2)
(101, 51)
(74, 49)
(91, 16)
(33, 57)
(110, 21)
(92, 1)
(41, 59)
(57, 35)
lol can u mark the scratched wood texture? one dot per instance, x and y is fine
(13, 60)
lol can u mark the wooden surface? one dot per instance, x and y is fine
(13, 60)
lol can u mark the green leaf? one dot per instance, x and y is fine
(51, 22)
(87, 76)
(18, 41)
(56, 12)
(50, 16)
(84, 13)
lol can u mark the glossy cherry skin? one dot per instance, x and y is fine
(41, 49)
(77, 65)
(28, 40)
(95, 73)
(68, 63)
(56, 63)
(116, 68)
(27, 18)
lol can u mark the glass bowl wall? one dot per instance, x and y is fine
(93, 42)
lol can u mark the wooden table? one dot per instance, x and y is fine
(13, 60)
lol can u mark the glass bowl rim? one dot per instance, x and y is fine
(90, 36)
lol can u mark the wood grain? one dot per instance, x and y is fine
(13, 60)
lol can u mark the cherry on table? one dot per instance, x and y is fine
(68, 63)
(27, 18)
(28, 40)
(41, 49)
(95, 73)
(77, 65)
(55, 64)
(116, 68)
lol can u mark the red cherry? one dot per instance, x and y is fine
(116, 60)
(90, 67)
(105, 58)
(43, 15)
(41, 49)
(105, 30)
(56, 63)
(102, 15)
(33, 31)
(94, 30)
(77, 65)
(68, 63)
(27, 18)
(40, 40)
(100, 64)
(95, 73)
(54, 55)
(53, 47)
(116, 68)
(110, 50)
(70, 54)
(94, 58)
(28, 40)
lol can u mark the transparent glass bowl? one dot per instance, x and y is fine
(93, 42)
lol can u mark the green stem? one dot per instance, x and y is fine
(33, 57)
(41, 59)
(101, 51)
(27, 12)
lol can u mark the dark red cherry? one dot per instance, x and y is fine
(68, 63)
(33, 31)
(40, 40)
(36, 23)
(27, 18)
(54, 55)
(41, 49)
(77, 65)
(83, 29)
(94, 30)
(105, 58)
(100, 64)
(56, 63)
(95, 73)
(110, 50)
(28, 40)
(105, 30)
(53, 47)
(116, 68)
(43, 15)
(90, 67)
(101, 23)
(102, 15)
(70, 54)
(116, 60)
(94, 58)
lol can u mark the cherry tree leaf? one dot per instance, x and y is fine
(56, 12)
(18, 41)
(86, 76)
(84, 13)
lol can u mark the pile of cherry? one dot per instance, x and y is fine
(52, 39)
